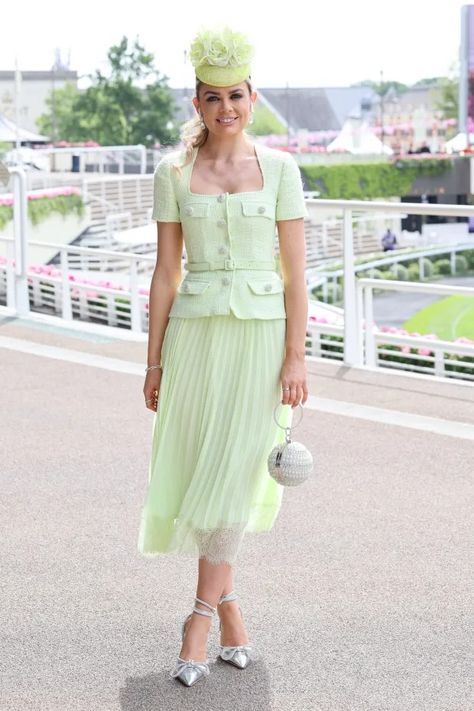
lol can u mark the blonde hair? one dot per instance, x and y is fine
(193, 134)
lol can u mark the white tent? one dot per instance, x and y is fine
(8, 133)
(356, 137)
(458, 143)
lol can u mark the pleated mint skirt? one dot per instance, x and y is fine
(208, 482)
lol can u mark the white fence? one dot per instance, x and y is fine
(358, 342)
(353, 353)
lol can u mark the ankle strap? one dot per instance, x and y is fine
(203, 612)
(227, 598)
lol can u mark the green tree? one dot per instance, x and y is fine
(265, 122)
(448, 99)
(130, 104)
(60, 119)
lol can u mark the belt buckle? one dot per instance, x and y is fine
(229, 264)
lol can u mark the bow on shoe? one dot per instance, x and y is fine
(228, 652)
(190, 664)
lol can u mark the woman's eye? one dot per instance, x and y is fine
(234, 96)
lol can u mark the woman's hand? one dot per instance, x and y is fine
(151, 388)
(293, 376)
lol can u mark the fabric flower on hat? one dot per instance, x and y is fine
(221, 57)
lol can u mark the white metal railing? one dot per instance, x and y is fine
(317, 276)
(61, 292)
(114, 154)
(372, 353)
(354, 343)
(352, 327)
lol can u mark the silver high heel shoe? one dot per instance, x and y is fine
(187, 670)
(239, 656)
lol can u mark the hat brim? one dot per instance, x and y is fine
(222, 76)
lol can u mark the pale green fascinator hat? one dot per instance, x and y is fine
(221, 57)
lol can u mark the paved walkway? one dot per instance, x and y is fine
(359, 598)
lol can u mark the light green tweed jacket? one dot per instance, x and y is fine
(230, 238)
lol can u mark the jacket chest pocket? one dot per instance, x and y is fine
(260, 209)
(193, 210)
(193, 286)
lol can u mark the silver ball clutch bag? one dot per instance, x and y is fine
(289, 463)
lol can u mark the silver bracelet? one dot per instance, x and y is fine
(153, 367)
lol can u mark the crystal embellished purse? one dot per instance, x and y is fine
(289, 463)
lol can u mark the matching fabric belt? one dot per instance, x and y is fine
(229, 264)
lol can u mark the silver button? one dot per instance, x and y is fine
(188, 211)
(222, 250)
(261, 209)
(226, 281)
(221, 223)
(268, 287)
(221, 198)
(185, 287)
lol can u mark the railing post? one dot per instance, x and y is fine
(351, 348)
(22, 301)
(324, 289)
(10, 275)
(360, 321)
(142, 159)
(439, 362)
(315, 344)
(369, 327)
(66, 291)
(134, 300)
(453, 262)
(85, 194)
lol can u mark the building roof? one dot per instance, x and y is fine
(40, 75)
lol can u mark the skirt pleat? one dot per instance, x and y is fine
(208, 482)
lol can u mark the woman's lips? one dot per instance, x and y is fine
(227, 122)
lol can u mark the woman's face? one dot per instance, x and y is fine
(225, 109)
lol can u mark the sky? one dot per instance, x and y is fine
(299, 44)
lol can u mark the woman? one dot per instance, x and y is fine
(226, 343)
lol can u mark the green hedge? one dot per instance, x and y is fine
(370, 180)
(41, 208)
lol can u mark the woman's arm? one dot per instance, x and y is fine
(164, 282)
(292, 248)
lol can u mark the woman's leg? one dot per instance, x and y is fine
(213, 581)
(233, 630)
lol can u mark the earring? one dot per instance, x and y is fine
(251, 117)
(202, 124)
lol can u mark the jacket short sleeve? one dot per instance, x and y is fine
(290, 199)
(165, 205)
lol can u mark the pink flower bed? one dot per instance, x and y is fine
(423, 350)
(405, 348)
(7, 199)
(50, 270)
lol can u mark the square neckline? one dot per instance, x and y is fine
(242, 192)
